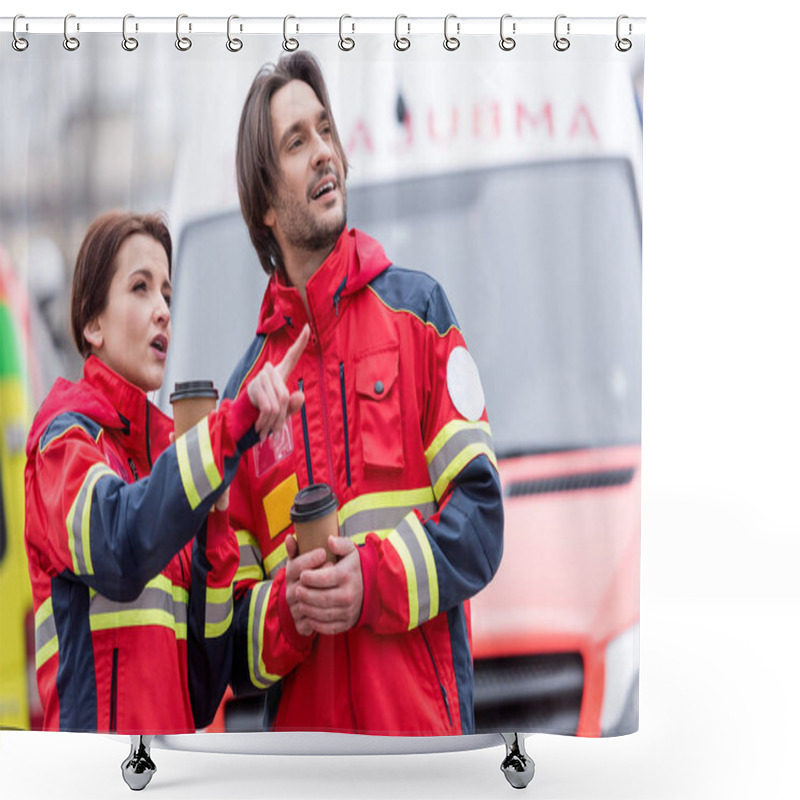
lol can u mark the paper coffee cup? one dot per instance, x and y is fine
(191, 401)
(314, 517)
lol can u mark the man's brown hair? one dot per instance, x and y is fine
(257, 168)
(96, 264)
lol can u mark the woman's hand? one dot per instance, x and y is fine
(269, 393)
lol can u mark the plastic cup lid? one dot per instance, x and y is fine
(313, 502)
(190, 389)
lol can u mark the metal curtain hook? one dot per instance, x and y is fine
(70, 42)
(451, 42)
(506, 42)
(234, 45)
(401, 42)
(345, 42)
(182, 42)
(128, 42)
(623, 45)
(18, 43)
(561, 43)
(289, 44)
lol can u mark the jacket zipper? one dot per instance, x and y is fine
(344, 417)
(438, 679)
(134, 471)
(305, 436)
(350, 681)
(112, 722)
(147, 432)
(322, 397)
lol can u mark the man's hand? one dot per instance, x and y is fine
(329, 598)
(295, 565)
(268, 391)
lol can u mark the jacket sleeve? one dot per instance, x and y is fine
(429, 565)
(115, 536)
(266, 644)
(215, 557)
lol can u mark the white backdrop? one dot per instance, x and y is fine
(720, 598)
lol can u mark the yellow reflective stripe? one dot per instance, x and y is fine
(249, 557)
(46, 652)
(219, 611)
(430, 564)
(411, 577)
(361, 538)
(410, 540)
(252, 572)
(45, 636)
(186, 473)
(382, 511)
(209, 465)
(453, 448)
(160, 603)
(257, 613)
(136, 617)
(245, 539)
(79, 518)
(459, 462)
(364, 502)
(199, 474)
(275, 558)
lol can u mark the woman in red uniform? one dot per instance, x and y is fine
(130, 552)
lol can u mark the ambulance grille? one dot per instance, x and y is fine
(529, 693)
(571, 483)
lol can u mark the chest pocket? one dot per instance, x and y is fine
(380, 429)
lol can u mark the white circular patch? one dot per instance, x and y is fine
(464, 384)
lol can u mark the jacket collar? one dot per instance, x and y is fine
(112, 402)
(354, 261)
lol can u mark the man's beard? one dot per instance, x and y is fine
(304, 231)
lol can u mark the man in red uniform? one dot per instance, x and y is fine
(394, 421)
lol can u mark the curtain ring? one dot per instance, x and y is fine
(183, 43)
(70, 42)
(623, 45)
(401, 42)
(345, 42)
(234, 45)
(129, 43)
(507, 42)
(451, 42)
(289, 44)
(18, 43)
(561, 43)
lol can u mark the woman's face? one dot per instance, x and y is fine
(132, 333)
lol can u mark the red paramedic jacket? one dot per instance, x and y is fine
(132, 620)
(394, 421)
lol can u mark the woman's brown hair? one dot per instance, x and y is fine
(96, 264)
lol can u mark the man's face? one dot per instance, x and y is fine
(310, 207)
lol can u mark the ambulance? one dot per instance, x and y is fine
(515, 181)
(19, 701)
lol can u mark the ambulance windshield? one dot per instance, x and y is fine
(541, 263)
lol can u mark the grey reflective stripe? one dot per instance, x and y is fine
(258, 597)
(201, 482)
(454, 445)
(217, 613)
(45, 632)
(248, 556)
(77, 517)
(151, 599)
(410, 540)
(274, 571)
(381, 519)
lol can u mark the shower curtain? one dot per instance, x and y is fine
(507, 167)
